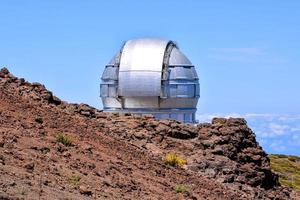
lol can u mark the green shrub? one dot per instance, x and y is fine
(180, 189)
(64, 139)
(174, 160)
(75, 180)
(21, 191)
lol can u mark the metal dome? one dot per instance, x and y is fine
(151, 76)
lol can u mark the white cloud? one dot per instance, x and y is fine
(206, 117)
(295, 129)
(278, 129)
(263, 142)
(296, 137)
(278, 146)
(264, 134)
(294, 141)
(245, 55)
(243, 50)
(289, 118)
(257, 115)
(234, 58)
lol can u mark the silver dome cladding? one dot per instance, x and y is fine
(114, 60)
(177, 58)
(141, 62)
(151, 76)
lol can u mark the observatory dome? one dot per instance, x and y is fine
(151, 76)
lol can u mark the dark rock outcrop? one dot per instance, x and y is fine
(233, 139)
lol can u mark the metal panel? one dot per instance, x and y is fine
(184, 73)
(172, 73)
(139, 83)
(188, 117)
(197, 90)
(111, 103)
(110, 73)
(180, 72)
(177, 58)
(112, 91)
(164, 116)
(180, 117)
(172, 91)
(114, 60)
(141, 102)
(184, 90)
(141, 62)
(179, 103)
(195, 75)
(173, 116)
(103, 90)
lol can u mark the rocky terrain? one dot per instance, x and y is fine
(50, 149)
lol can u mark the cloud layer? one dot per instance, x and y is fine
(245, 55)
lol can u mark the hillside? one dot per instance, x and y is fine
(50, 149)
(288, 168)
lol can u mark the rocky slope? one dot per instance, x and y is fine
(112, 156)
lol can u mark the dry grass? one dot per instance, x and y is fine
(288, 168)
(174, 160)
(181, 189)
(75, 180)
(64, 139)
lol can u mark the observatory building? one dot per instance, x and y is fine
(151, 76)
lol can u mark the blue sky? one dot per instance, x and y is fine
(246, 53)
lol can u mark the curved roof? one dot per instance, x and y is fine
(144, 49)
(141, 62)
(143, 54)
(177, 58)
(113, 61)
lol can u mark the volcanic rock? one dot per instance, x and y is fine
(121, 156)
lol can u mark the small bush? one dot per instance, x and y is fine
(180, 189)
(21, 191)
(64, 139)
(75, 180)
(174, 160)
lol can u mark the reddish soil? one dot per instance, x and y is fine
(122, 156)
